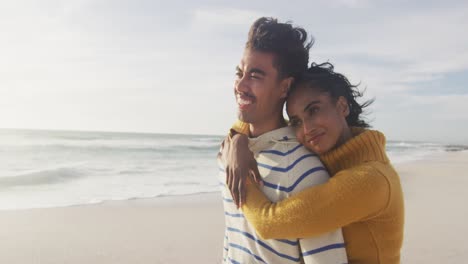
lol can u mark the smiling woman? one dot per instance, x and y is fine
(323, 107)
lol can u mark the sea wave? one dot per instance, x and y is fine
(45, 176)
(116, 148)
(187, 183)
(455, 148)
(93, 167)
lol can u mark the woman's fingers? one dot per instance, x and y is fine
(256, 173)
(224, 151)
(241, 192)
(228, 179)
(235, 191)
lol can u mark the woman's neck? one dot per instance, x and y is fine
(363, 146)
(345, 136)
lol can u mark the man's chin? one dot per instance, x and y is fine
(244, 118)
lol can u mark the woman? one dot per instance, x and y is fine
(363, 196)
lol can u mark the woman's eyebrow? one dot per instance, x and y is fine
(309, 105)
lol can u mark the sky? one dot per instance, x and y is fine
(169, 66)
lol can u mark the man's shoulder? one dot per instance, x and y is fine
(291, 167)
(291, 158)
(290, 150)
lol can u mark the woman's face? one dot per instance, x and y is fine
(318, 120)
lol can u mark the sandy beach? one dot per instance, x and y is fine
(189, 229)
(436, 214)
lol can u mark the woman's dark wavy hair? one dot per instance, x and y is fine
(322, 76)
(289, 44)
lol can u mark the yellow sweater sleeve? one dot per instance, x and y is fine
(240, 127)
(349, 196)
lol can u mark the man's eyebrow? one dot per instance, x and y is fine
(257, 70)
(238, 69)
(311, 104)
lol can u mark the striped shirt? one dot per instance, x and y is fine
(286, 168)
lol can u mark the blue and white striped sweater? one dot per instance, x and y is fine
(286, 168)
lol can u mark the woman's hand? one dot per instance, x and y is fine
(240, 163)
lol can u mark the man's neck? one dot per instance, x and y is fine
(258, 129)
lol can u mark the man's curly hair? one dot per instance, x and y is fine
(289, 44)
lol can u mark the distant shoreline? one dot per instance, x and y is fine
(106, 132)
(185, 134)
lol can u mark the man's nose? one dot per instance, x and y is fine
(241, 85)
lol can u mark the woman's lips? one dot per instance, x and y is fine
(315, 139)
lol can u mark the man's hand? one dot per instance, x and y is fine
(240, 163)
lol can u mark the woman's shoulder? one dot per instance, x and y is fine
(375, 173)
(380, 175)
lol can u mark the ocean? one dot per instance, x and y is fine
(40, 168)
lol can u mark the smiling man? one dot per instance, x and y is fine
(275, 55)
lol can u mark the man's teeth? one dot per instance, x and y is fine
(243, 102)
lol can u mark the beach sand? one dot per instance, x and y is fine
(189, 229)
(436, 197)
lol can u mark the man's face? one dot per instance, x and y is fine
(259, 92)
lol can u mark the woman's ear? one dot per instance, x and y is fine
(343, 106)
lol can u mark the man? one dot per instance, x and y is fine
(275, 54)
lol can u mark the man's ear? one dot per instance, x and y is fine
(286, 86)
(343, 106)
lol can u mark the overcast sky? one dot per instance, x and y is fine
(169, 66)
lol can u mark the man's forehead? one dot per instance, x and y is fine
(257, 59)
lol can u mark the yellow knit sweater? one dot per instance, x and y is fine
(364, 197)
